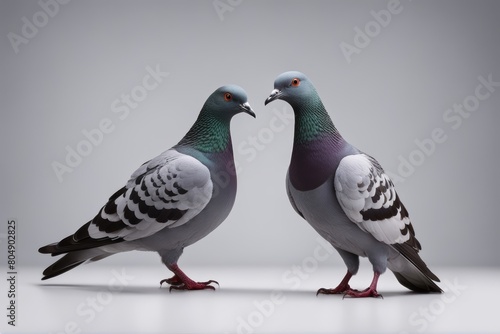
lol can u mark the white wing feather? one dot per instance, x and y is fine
(368, 198)
(167, 191)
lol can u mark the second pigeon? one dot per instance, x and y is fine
(346, 196)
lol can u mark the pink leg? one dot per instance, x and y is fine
(371, 291)
(181, 281)
(341, 288)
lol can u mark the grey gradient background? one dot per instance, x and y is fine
(396, 90)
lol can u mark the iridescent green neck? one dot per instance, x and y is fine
(311, 120)
(208, 134)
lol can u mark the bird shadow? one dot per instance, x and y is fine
(154, 290)
(219, 290)
(102, 287)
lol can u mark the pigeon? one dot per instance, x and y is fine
(170, 202)
(346, 196)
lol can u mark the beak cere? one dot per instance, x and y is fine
(275, 94)
(246, 108)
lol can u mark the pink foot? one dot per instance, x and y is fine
(194, 286)
(341, 288)
(181, 281)
(371, 291)
(361, 294)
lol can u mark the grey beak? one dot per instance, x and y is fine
(247, 109)
(275, 94)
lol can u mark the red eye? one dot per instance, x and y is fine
(228, 97)
(295, 82)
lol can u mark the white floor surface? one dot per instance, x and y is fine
(100, 299)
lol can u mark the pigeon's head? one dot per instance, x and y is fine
(210, 132)
(291, 87)
(228, 101)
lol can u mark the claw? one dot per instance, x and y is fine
(341, 288)
(181, 281)
(196, 286)
(210, 282)
(371, 291)
(336, 291)
(344, 288)
(174, 280)
(361, 294)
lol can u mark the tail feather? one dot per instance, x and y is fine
(79, 248)
(78, 241)
(72, 260)
(416, 282)
(411, 254)
(412, 272)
